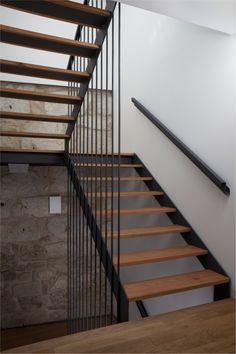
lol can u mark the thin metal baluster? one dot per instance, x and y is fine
(68, 252)
(80, 213)
(96, 195)
(101, 184)
(80, 221)
(68, 223)
(119, 132)
(87, 191)
(76, 211)
(80, 218)
(75, 220)
(103, 180)
(91, 199)
(106, 172)
(70, 243)
(112, 163)
(83, 185)
(73, 224)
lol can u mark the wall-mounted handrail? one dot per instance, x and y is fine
(217, 180)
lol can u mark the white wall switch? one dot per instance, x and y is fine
(55, 205)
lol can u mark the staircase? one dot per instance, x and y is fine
(89, 170)
(212, 275)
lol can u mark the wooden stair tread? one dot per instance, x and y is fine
(151, 231)
(63, 10)
(173, 284)
(137, 211)
(17, 36)
(39, 96)
(36, 151)
(45, 72)
(125, 194)
(129, 259)
(122, 165)
(34, 135)
(116, 178)
(127, 154)
(36, 117)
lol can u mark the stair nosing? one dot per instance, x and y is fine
(35, 117)
(179, 277)
(159, 255)
(42, 71)
(151, 231)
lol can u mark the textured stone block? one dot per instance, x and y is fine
(33, 252)
(56, 250)
(58, 315)
(30, 303)
(36, 316)
(25, 229)
(58, 296)
(57, 227)
(27, 289)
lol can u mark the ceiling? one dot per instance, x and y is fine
(219, 15)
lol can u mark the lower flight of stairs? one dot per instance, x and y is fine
(212, 275)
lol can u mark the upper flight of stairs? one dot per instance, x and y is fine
(66, 11)
(62, 10)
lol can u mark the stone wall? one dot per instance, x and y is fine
(33, 242)
(33, 247)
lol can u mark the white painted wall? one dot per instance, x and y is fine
(219, 15)
(185, 75)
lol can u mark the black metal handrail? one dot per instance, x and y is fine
(217, 180)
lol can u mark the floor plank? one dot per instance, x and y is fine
(206, 328)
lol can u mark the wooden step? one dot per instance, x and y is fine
(115, 179)
(35, 151)
(36, 117)
(137, 211)
(63, 10)
(125, 194)
(166, 254)
(173, 284)
(125, 154)
(39, 96)
(116, 154)
(151, 231)
(45, 72)
(122, 165)
(20, 37)
(34, 135)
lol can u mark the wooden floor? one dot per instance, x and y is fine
(16, 337)
(207, 328)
